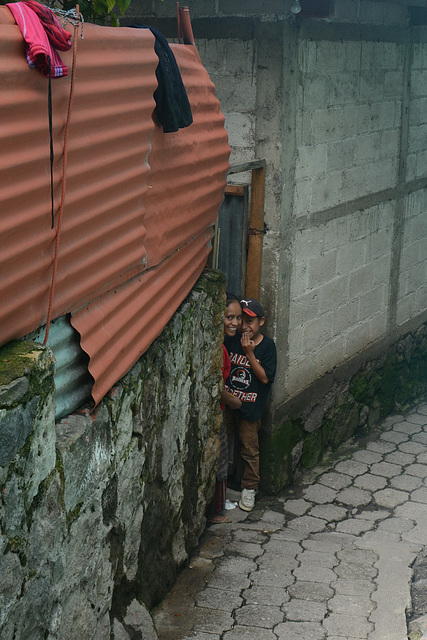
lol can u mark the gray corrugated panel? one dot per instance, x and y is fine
(73, 382)
(232, 242)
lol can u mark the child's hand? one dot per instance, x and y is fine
(248, 345)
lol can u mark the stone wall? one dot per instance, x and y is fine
(98, 512)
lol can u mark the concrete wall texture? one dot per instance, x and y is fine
(336, 106)
(98, 512)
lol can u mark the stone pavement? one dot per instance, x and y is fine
(330, 558)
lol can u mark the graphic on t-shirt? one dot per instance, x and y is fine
(240, 378)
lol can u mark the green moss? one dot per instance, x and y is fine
(312, 449)
(359, 387)
(73, 514)
(12, 363)
(276, 454)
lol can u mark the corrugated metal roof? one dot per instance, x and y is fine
(136, 199)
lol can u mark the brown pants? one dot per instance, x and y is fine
(247, 433)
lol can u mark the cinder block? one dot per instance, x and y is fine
(351, 257)
(372, 85)
(389, 144)
(367, 147)
(421, 166)
(345, 317)
(411, 166)
(330, 57)
(240, 128)
(327, 191)
(360, 280)
(316, 90)
(417, 138)
(212, 54)
(419, 83)
(415, 278)
(421, 297)
(354, 183)
(381, 269)
(343, 88)
(419, 57)
(372, 302)
(230, 94)
(307, 56)
(391, 58)
(352, 53)
(299, 279)
(405, 309)
(340, 155)
(295, 344)
(356, 119)
(378, 325)
(385, 115)
(322, 268)
(311, 161)
(381, 175)
(330, 355)
(326, 125)
(302, 197)
(303, 309)
(378, 244)
(239, 58)
(393, 83)
(357, 339)
(333, 294)
(317, 332)
(368, 57)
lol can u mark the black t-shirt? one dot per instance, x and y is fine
(243, 383)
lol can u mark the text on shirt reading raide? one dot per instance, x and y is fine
(237, 358)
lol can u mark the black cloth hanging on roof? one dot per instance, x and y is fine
(173, 109)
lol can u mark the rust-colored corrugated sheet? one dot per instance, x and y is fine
(139, 205)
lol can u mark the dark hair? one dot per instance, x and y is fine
(230, 297)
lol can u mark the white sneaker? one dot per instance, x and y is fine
(247, 499)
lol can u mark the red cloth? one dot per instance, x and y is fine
(43, 34)
(226, 368)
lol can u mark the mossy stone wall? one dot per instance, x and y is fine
(99, 512)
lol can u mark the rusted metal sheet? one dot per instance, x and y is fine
(188, 168)
(115, 339)
(186, 183)
(137, 200)
(102, 237)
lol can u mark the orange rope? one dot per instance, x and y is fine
(64, 170)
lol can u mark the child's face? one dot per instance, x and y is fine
(251, 325)
(233, 318)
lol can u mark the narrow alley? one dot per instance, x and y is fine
(330, 558)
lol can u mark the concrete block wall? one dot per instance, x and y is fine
(231, 69)
(349, 106)
(339, 291)
(412, 293)
(417, 151)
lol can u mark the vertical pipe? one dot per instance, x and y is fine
(185, 22)
(256, 234)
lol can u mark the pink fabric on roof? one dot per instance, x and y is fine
(42, 32)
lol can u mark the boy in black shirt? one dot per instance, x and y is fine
(253, 367)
